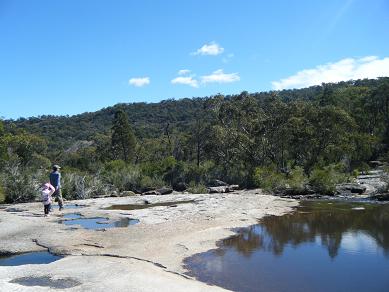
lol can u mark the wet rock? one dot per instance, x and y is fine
(381, 197)
(46, 281)
(350, 188)
(16, 210)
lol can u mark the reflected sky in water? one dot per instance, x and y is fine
(322, 246)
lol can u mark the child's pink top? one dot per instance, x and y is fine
(46, 196)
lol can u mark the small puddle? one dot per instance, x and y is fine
(96, 223)
(15, 210)
(46, 281)
(30, 258)
(69, 206)
(72, 216)
(146, 206)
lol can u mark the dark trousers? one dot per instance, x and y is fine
(47, 208)
(58, 195)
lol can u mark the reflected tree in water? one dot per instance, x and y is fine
(329, 222)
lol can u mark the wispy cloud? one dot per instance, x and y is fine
(139, 81)
(219, 76)
(228, 58)
(212, 49)
(184, 72)
(345, 69)
(338, 15)
(187, 80)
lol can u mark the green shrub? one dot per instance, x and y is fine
(268, 178)
(197, 188)
(2, 195)
(122, 176)
(20, 184)
(82, 186)
(297, 179)
(324, 180)
(147, 182)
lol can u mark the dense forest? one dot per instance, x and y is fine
(314, 137)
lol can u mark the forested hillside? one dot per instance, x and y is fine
(316, 136)
(150, 120)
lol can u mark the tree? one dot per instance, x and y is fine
(123, 138)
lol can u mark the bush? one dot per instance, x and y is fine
(19, 184)
(197, 188)
(122, 176)
(324, 180)
(83, 186)
(268, 178)
(147, 183)
(297, 180)
(2, 195)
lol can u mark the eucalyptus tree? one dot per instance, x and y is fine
(123, 138)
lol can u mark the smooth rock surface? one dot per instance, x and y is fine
(144, 257)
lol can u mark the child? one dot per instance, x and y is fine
(47, 191)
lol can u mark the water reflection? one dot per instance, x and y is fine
(40, 257)
(322, 246)
(334, 226)
(96, 223)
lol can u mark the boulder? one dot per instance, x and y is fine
(164, 191)
(152, 193)
(180, 186)
(381, 197)
(113, 194)
(350, 188)
(223, 189)
(217, 183)
(292, 192)
(375, 163)
(158, 192)
(126, 194)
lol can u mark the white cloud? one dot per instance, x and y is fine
(343, 70)
(212, 49)
(186, 81)
(183, 72)
(219, 76)
(139, 81)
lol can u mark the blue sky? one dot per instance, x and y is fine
(68, 57)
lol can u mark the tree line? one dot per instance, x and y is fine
(315, 137)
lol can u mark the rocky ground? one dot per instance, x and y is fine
(371, 185)
(143, 257)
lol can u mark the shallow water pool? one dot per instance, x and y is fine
(41, 257)
(96, 223)
(322, 246)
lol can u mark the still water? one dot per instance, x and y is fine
(40, 257)
(96, 223)
(322, 246)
